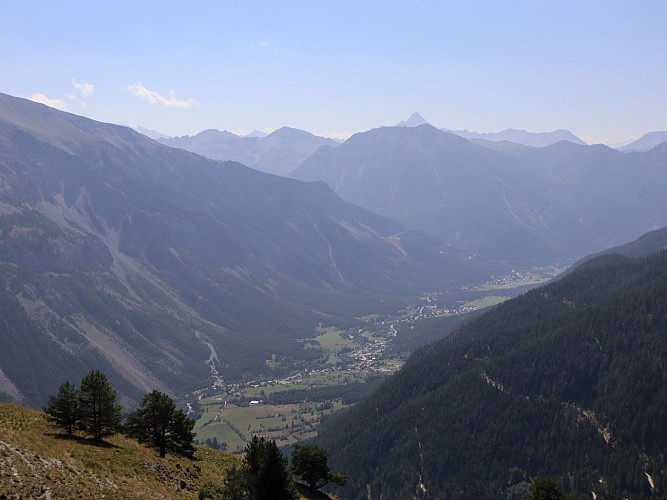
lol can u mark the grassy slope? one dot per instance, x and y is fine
(36, 460)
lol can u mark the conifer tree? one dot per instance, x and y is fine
(311, 464)
(100, 414)
(546, 488)
(270, 478)
(159, 423)
(63, 408)
(263, 476)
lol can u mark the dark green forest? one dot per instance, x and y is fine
(567, 380)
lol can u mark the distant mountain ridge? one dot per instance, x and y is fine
(256, 133)
(153, 134)
(518, 204)
(566, 381)
(533, 139)
(646, 142)
(277, 153)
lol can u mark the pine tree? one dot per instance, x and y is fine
(271, 479)
(159, 423)
(63, 408)
(237, 484)
(311, 464)
(263, 476)
(100, 414)
(546, 488)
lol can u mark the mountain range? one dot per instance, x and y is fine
(646, 142)
(172, 271)
(533, 139)
(519, 204)
(164, 268)
(277, 153)
(566, 380)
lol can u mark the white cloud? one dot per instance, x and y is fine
(156, 99)
(54, 103)
(86, 89)
(82, 90)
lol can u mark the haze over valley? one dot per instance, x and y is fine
(344, 251)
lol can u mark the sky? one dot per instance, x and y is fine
(334, 68)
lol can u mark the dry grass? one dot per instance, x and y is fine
(36, 460)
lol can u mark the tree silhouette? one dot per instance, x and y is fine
(159, 423)
(100, 414)
(63, 408)
(311, 463)
(263, 476)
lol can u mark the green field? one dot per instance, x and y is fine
(334, 377)
(226, 417)
(332, 340)
(537, 277)
(235, 425)
(488, 301)
(370, 337)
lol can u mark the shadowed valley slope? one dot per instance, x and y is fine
(164, 268)
(566, 380)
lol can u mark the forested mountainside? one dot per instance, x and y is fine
(566, 380)
(164, 268)
(645, 244)
(518, 204)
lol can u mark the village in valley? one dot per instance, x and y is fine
(289, 408)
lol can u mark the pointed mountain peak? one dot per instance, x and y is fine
(415, 120)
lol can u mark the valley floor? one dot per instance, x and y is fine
(289, 407)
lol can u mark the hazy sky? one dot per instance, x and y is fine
(598, 68)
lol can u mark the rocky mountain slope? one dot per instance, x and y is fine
(164, 268)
